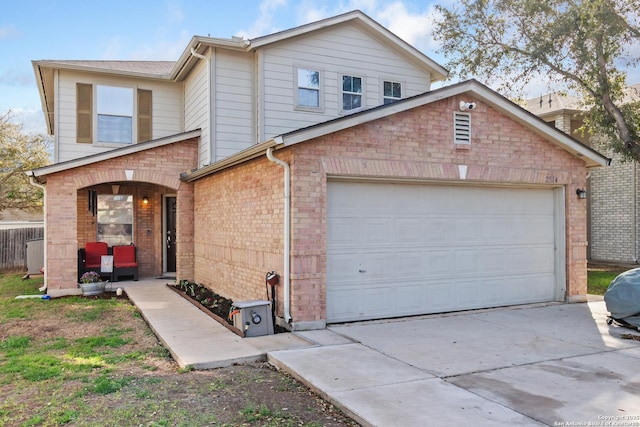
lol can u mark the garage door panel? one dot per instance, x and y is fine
(439, 262)
(469, 294)
(428, 249)
(465, 262)
(410, 265)
(468, 230)
(437, 297)
(409, 298)
(378, 266)
(409, 230)
(529, 259)
(378, 231)
(439, 230)
(343, 266)
(341, 231)
(345, 304)
(376, 300)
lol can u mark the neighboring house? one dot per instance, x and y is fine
(322, 154)
(613, 193)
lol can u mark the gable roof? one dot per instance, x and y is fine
(40, 174)
(364, 21)
(482, 93)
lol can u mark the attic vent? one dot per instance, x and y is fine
(462, 128)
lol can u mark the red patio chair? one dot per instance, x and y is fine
(93, 252)
(124, 262)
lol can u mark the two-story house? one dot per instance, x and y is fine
(320, 153)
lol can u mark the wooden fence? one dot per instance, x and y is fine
(13, 247)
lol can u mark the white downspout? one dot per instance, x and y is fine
(44, 245)
(287, 232)
(210, 155)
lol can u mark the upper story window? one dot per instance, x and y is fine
(309, 93)
(112, 114)
(351, 92)
(115, 114)
(392, 92)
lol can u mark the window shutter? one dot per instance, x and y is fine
(144, 115)
(84, 116)
(462, 128)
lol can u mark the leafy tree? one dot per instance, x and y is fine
(19, 153)
(583, 46)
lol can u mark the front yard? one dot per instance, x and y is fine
(94, 362)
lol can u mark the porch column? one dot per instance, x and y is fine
(61, 265)
(185, 262)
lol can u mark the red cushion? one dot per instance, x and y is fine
(127, 264)
(124, 256)
(93, 253)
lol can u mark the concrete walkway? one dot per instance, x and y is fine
(193, 338)
(547, 364)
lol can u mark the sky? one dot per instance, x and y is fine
(161, 29)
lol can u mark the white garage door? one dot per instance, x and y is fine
(403, 249)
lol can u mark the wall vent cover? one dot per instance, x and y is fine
(462, 128)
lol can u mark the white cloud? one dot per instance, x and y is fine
(264, 24)
(161, 50)
(175, 14)
(408, 21)
(413, 27)
(16, 78)
(9, 32)
(166, 50)
(32, 120)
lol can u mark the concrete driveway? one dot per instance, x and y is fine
(554, 364)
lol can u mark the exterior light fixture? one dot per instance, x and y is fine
(115, 188)
(145, 200)
(582, 193)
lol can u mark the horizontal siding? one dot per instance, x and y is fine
(235, 129)
(167, 110)
(345, 49)
(196, 98)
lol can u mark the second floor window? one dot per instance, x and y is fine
(115, 114)
(392, 92)
(308, 88)
(351, 92)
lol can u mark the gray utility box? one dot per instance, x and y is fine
(35, 255)
(254, 318)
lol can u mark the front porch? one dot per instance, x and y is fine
(132, 195)
(124, 213)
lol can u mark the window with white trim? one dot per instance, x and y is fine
(351, 92)
(115, 114)
(309, 90)
(392, 92)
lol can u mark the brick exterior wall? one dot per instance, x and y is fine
(155, 172)
(239, 216)
(613, 212)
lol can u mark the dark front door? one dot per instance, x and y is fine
(170, 237)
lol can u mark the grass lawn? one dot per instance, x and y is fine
(87, 361)
(598, 279)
